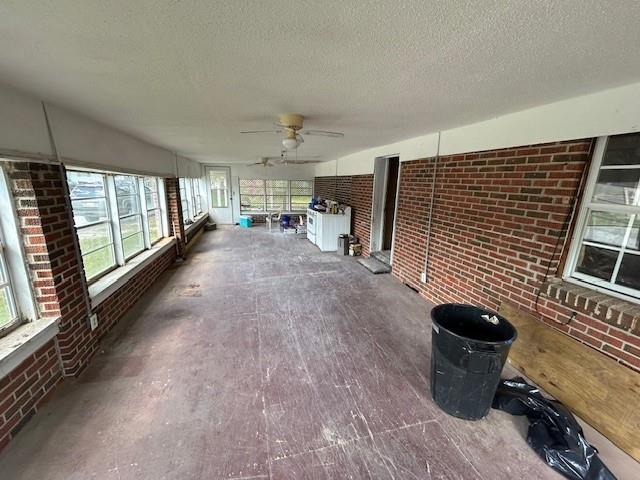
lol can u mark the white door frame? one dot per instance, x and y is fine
(380, 181)
(227, 168)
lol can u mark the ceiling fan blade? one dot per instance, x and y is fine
(301, 162)
(262, 131)
(323, 133)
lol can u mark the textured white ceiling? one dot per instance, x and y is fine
(189, 75)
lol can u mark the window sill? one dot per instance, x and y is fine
(24, 341)
(111, 282)
(605, 306)
(199, 221)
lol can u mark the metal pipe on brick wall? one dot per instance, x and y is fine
(430, 221)
(67, 201)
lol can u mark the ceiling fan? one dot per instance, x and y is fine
(290, 124)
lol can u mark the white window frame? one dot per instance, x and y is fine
(150, 208)
(107, 221)
(186, 198)
(587, 205)
(114, 217)
(141, 201)
(13, 262)
(195, 195)
(310, 193)
(287, 208)
(7, 285)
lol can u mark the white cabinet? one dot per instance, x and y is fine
(323, 229)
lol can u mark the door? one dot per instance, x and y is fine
(219, 186)
(390, 203)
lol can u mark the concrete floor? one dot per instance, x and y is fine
(261, 357)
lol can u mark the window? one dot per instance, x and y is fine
(252, 196)
(184, 200)
(116, 217)
(197, 202)
(8, 309)
(301, 193)
(154, 212)
(606, 248)
(16, 296)
(190, 198)
(219, 188)
(130, 213)
(274, 195)
(88, 193)
(277, 194)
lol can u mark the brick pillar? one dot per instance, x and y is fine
(174, 207)
(56, 274)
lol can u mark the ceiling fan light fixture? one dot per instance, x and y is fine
(290, 143)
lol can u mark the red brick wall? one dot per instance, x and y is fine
(57, 276)
(496, 219)
(25, 389)
(337, 188)
(58, 281)
(356, 191)
(361, 201)
(174, 207)
(114, 308)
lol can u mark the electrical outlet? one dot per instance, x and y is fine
(93, 321)
(423, 277)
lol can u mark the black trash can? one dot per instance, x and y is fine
(343, 244)
(469, 346)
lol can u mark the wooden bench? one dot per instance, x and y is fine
(595, 387)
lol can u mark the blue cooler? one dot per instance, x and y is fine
(246, 221)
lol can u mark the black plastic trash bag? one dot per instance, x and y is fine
(554, 433)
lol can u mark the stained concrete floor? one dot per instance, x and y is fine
(261, 357)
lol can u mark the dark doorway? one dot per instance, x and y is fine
(390, 202)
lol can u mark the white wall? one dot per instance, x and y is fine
(80, 141)
(188, 168)
(608, 112)
(23, 131)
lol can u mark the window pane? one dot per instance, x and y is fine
(597, 262)
(130, 225)
(276, 202)
(276, 191)
(617, 186)
(94, 237)
(7, 314)
(301, 191)
(623, 150)
(219, 188)
(218, 198)
(89, 211)
(155, 225)
(98, 261)
(132, 245)
(301, 187)
(127, 195)
(634, 237)
(85, 185)
(300, 202)
(128, 205)
(629, 272)
(151, 192)
(607, 228)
